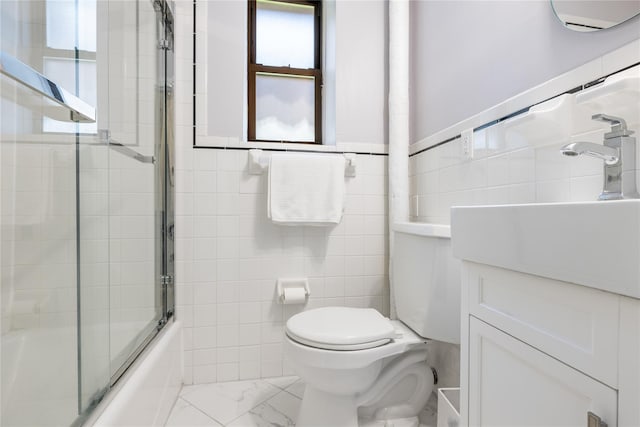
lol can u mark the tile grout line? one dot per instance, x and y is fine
(197, 409)
(180, 396)
(264, 403)
(297, 397)
(261, 402)
(258, 404)
(281, 388)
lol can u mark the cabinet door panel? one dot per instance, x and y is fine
(572, 323)
(513, 384)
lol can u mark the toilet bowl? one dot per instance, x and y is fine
(352, 358)
(356, 362)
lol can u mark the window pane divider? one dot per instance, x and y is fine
(259, 68)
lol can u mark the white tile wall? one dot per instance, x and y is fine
(116, 194)
(508, 167)
(37, 182)
(185, 243)
(229, 255)
(38, 234)
(234, 325)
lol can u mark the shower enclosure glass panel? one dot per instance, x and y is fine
(93, 168)
(38, 234)
(86, 208)
(133, 142)
(135, 210)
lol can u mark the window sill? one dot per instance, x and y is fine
(230, 142)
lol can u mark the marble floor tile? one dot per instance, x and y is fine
(184, 414)
(280, 410)
(256, 403)
(297, 389)
(282, 382)
(225, 402)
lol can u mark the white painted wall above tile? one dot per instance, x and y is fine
(507, 47)
(358, 55)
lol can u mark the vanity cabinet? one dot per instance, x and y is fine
(514, 384)
(542, 352)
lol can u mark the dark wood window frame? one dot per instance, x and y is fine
(254, 69)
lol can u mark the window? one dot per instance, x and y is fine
(70, 56)
(285, 77)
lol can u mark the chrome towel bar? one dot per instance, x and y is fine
(259, 162)
(105, 138)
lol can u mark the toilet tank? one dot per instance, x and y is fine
(426, 280)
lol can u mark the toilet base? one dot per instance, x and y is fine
(394, 400)
(401, 391)
(324, 409)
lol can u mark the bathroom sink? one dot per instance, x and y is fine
(595, 244)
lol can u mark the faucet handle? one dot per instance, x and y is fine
(618, 125)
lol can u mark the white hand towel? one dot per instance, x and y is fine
(306, 189)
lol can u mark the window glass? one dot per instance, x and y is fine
(285, 108)
(285, 34)
(61, 35)
(62, 40)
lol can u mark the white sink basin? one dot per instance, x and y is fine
(595, 244)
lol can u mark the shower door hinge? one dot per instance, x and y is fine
(166, 280)
(163, 44)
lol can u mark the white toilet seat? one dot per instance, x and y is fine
(339, 359)
(338, 347)
(341, 328)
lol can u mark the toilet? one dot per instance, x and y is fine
(358, 364)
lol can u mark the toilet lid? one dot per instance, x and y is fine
(341, 328)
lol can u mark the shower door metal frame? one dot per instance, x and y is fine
(166, 175)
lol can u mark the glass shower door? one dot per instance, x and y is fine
(136, 205)
(132, 141)
(86, 202)
(38, 221)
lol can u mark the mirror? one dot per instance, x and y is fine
(594, 15)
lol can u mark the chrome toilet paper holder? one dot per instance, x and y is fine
(292, 283)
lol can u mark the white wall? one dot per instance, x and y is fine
(229, 255)
(234, 325)
(360, 60)
(361, 71)
(225, 34)
(470, 55)
(519, 160)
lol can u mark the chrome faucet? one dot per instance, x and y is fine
(619, 156)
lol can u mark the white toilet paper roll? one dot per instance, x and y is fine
(294, 296)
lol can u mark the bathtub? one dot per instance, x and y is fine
(146, 393)
(29, 381)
